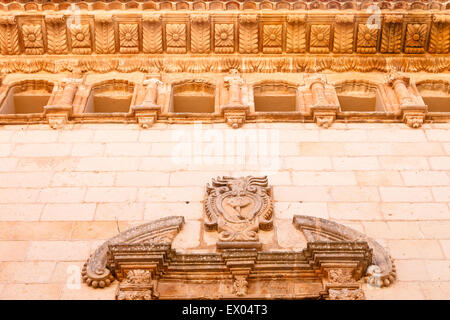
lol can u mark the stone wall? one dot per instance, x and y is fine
(62, 193)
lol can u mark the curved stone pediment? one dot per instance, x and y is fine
(96, 271)
(318, 229)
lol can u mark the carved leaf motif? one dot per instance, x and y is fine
(200, 37)
(343, 38)
(104, 37)
(248, 37)
(9, 39)
(440, 38)
(56, 38)
(296, 38)
(391, 38)
(152, 37)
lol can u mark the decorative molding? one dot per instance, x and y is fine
(271, 33)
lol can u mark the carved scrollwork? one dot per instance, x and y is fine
(96, 272)
(317, 229)
(238, 207)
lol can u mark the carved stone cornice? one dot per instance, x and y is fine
(229, 5)
(141, 31)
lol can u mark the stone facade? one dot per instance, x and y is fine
(116, 114)
(64, 192)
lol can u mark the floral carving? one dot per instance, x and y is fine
(346, 294)
(416, 35)
(320, 38)
(272, 38)
(340, 275)
(240, 286)
(32, 38)
(81, 38)
(129, 38)
(176, 38)
(224, 38)
(367, 39)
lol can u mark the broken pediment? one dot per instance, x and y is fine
(333, 265)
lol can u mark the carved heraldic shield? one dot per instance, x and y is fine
(237, 208)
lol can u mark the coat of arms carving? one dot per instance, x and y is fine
(237, 208)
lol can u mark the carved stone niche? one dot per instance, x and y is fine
(237, 109)
(403, 94)
(333, 265)
(148, 110)
(322, 100)
(60, 105)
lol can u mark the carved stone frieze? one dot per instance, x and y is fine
(247, 33)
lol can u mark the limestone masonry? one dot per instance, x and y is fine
(224, 149)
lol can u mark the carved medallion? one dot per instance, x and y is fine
(238, 208)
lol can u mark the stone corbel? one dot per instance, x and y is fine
(59, 108)
(412, 107)
(324, 112)
(240, 262)
(341, 285)
(147, 112)
(138, 285)
(235, 112)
